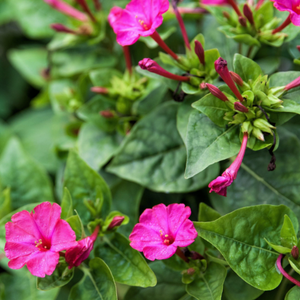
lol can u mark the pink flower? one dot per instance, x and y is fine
(162, 229)
(35, 239)
(139, 18)
(215, 2)
(76, 255)
(114, 14)
(292, 6)
(220, 184)
(67, 9)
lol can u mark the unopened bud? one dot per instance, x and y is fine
(99, 90)
(226, 15)
(248, 14)
(217, 92)
(298, 47)
(295, 83)
(240, 107)
(243, 21)
(236, 78)
(295, 252)
(203, 86)
(107, 114)
(117, 221)
(222, 70)
(200, 52)
(247, 127)
(46, 73)
(153, 67)
(258, 134)
(190, 271)
(62, 28)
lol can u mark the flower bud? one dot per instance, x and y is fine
(295, 252)
(298, 47)
(117, 221)
(238, 119)
(222, 70)
(248, 14)
(243, 21)
(99, 90)
(216, 92)
(200, 52)
(240, 107)
(236, 78)
(203, 85)
(107, 114)
(247, 127)
(153, 67)
(295, 83)
(62, 28)
(190, 271)
(258, 134)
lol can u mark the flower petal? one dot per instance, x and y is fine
(43, 263)
(177, 214)
(159, 251)
(15, 250)
(46, 217)
(186, 234)
(63, 236)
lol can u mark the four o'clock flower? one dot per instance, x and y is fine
(153, 67)
(220, 184)
(162, 230)
(77, 254)
(141, 18)
(293, 7)
(35, 239)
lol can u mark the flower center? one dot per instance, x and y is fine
(42, 245)
(296, 8)
(166, 238)
(142, 23)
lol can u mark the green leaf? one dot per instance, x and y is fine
(30, 63)
(237, 289)
(97, 147)
(27, 180)
(294, 264)
(127, 265)
(263, 187)
(208, 286)
(291, 99)
(279, 248)
(207, 214)
(213, 107)
(97, 283)
(60, 277)
(246, 68)
(123, 193)
(293, 293)
(34, 128)
(264, 14)
(5, 203)
(207, 143)
(76, 224)
(154, 155)
(239, 236)
(169, 286)
(288, 235)
(66, 205)
(103, 77)
(85, 184)
(22, 285)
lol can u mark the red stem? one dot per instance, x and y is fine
(181, 255)
(97, 5)
(95, 233)
(127, 58)
(156, 37)
(283, 25)
(182, 27)
(235, 7)
(284, 273)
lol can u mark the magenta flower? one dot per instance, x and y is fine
(162, 229)
(215, 2)
(292, 6)
(139, 18)
(35, 239)
(114, 14)
(76, 255)
(67, 9)
(220, 184)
